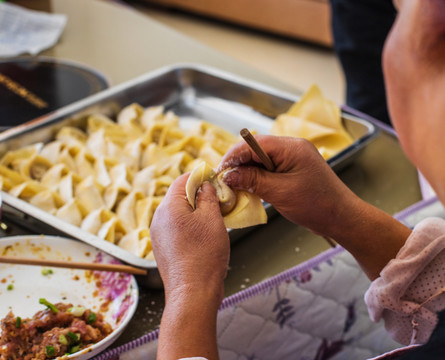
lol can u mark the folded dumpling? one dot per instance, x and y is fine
(71, 212)
(89, 194)
(112, 230)
(84, 161)
(27, 189)
(145, 209)
(152, 115)
(104, 224)
(52, 150)
(34, 167)
(126, 210)
(67, 186)
(53, 176)
(137, 242)
(10, 177)
(12, 156)
(128, 119)
(47, 200)
(239, 208)
(142, 178)
(94, 220)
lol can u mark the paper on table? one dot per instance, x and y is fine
(27, 31)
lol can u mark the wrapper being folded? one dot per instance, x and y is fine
(240, 209)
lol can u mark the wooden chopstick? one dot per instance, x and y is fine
(73, 265)
(267, 162)
(257, 149)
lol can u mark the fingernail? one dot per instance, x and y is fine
(232, 177)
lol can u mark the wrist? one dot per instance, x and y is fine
(372, 236)
(188, 325)
(209, 295)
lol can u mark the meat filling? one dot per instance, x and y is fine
(49, 334)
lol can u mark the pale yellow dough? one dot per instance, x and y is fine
(316, 119)
(240, 209)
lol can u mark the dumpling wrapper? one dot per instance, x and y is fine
(104, 224)
(314, 107)
(89, 194)
(51, 178)
(27, 189)
(112, 231)
(71, 213)
(240, 209)
(126, 210)
(137, 242)
(317, 119)
(47, 200)
(35, 167)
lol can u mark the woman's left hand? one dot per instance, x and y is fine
(191, 247)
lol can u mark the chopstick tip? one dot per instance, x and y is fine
(244, 132)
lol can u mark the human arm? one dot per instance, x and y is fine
(191, 248)
(305, 190)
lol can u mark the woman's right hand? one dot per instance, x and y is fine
(303, 188)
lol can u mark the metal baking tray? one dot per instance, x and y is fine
(193, 92)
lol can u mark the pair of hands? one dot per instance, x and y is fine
(192, 247)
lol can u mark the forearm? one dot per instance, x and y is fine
(188, 326)
(372, 236)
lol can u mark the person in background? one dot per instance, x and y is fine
(406, 266)
(359, 28)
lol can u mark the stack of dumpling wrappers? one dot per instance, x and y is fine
(317, 119)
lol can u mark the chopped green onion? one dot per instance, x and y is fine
(91, 318)
(63, 340)
(47, 271)
(50, 351)
(76, 310)
(10, 287)
(18, 322)
(74, 349)
(48, 305)
(73, 337)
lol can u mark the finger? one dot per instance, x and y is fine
(206, 199)
(177, 188)
(249, 178)
(237, 155)
(277, 147)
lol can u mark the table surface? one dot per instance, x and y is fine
(123, 44)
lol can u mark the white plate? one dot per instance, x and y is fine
(115, 295)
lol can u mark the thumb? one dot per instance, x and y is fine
(249, 178)
(206, 199)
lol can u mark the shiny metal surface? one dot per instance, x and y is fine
(194, 93)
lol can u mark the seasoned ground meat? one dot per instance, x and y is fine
(50, 333)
